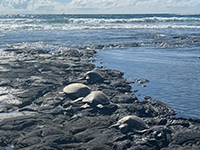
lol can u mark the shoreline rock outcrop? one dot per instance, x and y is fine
(35, 113)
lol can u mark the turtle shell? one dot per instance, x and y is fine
(77, 90)
(95, 98)
(133, 122)
(93, 76)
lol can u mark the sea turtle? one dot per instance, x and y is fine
(77, 90)
(93, 77)
(131, 123)
(95, 98)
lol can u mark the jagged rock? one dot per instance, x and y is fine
(35, 114)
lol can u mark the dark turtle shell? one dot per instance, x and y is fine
(93, 76)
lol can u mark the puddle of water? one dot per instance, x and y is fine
(9, 148)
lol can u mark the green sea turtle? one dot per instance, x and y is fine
(77, 90)
(93, 77)
(131, 123)
(96, 98)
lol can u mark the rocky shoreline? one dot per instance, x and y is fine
(35, 113)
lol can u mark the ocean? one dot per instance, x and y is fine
(163, 48)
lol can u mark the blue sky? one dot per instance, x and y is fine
(100, 6)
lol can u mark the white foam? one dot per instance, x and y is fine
(98, 23)
(92, 27)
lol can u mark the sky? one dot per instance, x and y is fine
(99, 6)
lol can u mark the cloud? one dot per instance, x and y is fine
(137, 6)
(125, 3)
(32, 6)
(99, 6)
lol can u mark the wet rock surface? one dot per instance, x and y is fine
(35, 113)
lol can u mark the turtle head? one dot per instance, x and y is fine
(87, 77)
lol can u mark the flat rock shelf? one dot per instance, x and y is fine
(35, 113)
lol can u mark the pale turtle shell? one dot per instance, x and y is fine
(77, 90)
(131, 122)
(95, 98)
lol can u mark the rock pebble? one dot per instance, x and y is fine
(35, 112)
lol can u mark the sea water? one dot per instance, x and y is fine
(163, 48)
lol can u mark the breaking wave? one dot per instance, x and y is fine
(81, 22)
(91, 27)
(99, 20)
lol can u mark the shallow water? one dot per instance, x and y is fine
(9, 148)
(174, 75)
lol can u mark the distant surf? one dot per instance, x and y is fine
(85, 22)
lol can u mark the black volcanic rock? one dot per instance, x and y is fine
(36, 114)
